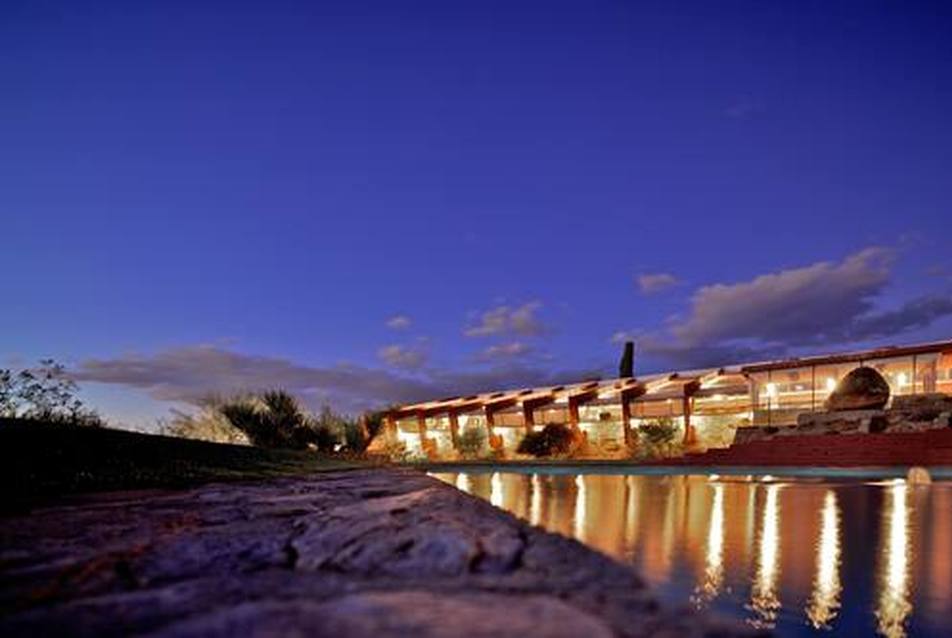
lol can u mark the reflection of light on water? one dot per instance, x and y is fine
(825, 600)
(764, 600)
(893, 606)
(535, 504)
(495, 490)
(714, 563)
(579, 529)
(463, 483)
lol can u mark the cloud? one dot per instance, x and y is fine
(190, 374)
(621, 336)
(504, 351)
(650, 283)
(820, 304)
(399, 322)
(503, 320)
(403, 356)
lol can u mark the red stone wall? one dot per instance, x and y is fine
(933, 447)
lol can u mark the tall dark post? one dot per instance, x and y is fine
(627, 366)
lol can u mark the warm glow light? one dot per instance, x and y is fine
(495, 490)
(463, 483)
(535, 504)
(718, 397)
(830, 384)
(764, 600)
(714, 560)
(580, 509)
(606, 395)
(771, 389)
(901, 378)
(825, 600)
(893, 605)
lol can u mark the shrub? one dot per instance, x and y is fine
(554, 439)
(657, 438)
(275, 420)
(208, 424)
(471, 442)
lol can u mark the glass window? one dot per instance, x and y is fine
(926, 373)
(897, 371)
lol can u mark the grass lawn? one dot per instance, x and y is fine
(40, 462)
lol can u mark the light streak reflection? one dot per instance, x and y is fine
(710, 587)
(764, 598)
(825, 600)
(893, 605)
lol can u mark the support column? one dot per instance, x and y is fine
(626, 420)
(689, 435)
(491, 428)
(421, 426)
(813, 388)
(573, 413)
(390, 424)
(454, 429)
(528, 417)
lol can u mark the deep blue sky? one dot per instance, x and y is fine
(199, 195)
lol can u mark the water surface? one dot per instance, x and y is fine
(804, 556)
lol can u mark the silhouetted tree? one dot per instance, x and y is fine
(45, 393)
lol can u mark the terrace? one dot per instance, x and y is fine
(706, 406)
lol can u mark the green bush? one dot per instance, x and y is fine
(553, 440)
(472, 442)
(658, 438)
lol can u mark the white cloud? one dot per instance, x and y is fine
(823, 303)
(399, 356)
(621, 336)
(191, 374)
(503, 320)
(504, 351)
(399, 322)
(650, 283)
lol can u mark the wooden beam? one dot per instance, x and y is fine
(454, 429)
(626, 422)
(421, 426)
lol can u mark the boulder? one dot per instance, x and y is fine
(862, 389)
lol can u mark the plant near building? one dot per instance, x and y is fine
(658, 438)
(554, 439)
(471, 442)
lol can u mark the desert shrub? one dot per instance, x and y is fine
(554, 439)
(658, 438)
(44, 394)
(471, 442)
(275, 420)
(208, 424)
(356, 437)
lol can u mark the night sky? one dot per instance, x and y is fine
(375, 202)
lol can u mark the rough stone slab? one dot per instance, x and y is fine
(358, 553)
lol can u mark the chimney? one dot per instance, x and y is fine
(626, 368)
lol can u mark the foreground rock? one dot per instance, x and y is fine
(358, 553)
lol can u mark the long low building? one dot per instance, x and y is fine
(705, 406)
